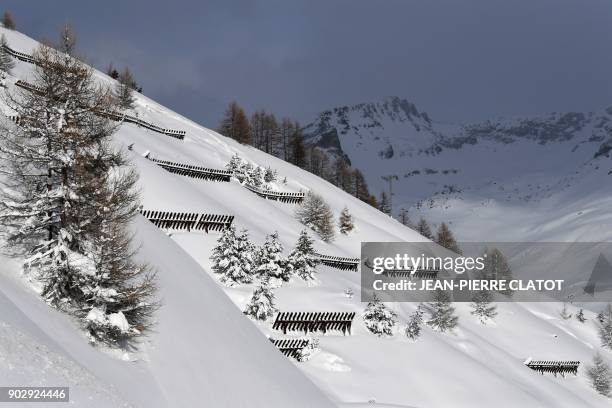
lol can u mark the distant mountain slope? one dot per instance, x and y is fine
(513, 161)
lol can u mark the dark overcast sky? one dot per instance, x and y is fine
(459, 60)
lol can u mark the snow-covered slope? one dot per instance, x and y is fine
(205, 353)
(525, 167)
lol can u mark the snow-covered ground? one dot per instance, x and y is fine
(204, 352)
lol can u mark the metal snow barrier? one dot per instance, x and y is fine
(408, 273)
(188, 221)
(30, 87)
(555, 367)
(284, 197)
(345, 264)
(290, 347)
(20, 55)
(310, 322)
(193, 171)
(116, 116)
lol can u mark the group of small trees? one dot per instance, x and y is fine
(68, 196)
(238, 261)
(285, 140)
(381, 320)
(250, 174)
(317, 215)
(125, 87)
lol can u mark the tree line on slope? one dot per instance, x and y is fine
(285, 140)
(66, 198)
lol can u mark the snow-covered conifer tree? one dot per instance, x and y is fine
(303, 259)
(236, 167)
(404, 218)
(496, 267)
(413, 328)
(345, 223)
(124, 90)
(441, 312)
(605, 328)
(564, 313)
(67, 200)
(261, 306)
(270, 175)
(232, 258)
(271, 263)
(316, 214)
(6, 60)
(600, 375)
(483, 309)
(47, 159)
(257, 176)
(378, 318)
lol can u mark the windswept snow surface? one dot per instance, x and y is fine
(204, 352)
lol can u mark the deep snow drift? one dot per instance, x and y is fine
(204, 352)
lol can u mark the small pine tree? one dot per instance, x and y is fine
(235, 124)
(271, 263)
(424, 229)
(345, 222)
(71, 199)
(384, 204)
(564, 313)
(124, 89)
(413, 328)
(7, 21)
(600, 375)
(442, 313)
(404, 218)
(256, 177)
(379, 319)
(111, 71)
(303, 260)
(601, 316)
(236, 166)
(6, 61)
(605, 328)
(315, 213)
(233, 257)
(269, 175)
(67, 40)
(261, 306)
(446, 239)
(481, 303)
(580, 316)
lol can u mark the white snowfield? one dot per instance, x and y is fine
(205, 353)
